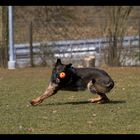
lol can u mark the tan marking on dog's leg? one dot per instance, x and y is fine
(49, 92)
(93, 90)
(95, 100)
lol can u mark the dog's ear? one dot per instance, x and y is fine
(69, 65)
(58, 62)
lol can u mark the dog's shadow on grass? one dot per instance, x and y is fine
(84, 102)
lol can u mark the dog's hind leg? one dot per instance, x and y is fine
(51, 90)
(93, 88)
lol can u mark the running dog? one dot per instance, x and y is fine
(67, 77)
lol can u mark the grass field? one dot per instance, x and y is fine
(68, 112)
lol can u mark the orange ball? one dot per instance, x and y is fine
(62, 75)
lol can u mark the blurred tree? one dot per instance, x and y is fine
(46, 14)
(117, 17)
(4, 37)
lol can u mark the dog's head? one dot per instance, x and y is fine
(61, 73)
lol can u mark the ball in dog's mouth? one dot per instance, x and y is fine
(62, 75)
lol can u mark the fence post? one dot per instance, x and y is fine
(31, 44)
(11, 62)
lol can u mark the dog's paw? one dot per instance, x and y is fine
(95, 100)
(103, 101)
(35, 103)
(92, 100)
(32, 102)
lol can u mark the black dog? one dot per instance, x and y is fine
(66, 77)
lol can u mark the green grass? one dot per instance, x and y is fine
(68, 112)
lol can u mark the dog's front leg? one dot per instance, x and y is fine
(51, 90)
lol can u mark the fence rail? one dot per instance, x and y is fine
(68, 48)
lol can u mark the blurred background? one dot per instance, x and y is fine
(83, 35)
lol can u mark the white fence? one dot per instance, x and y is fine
(68, 48)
